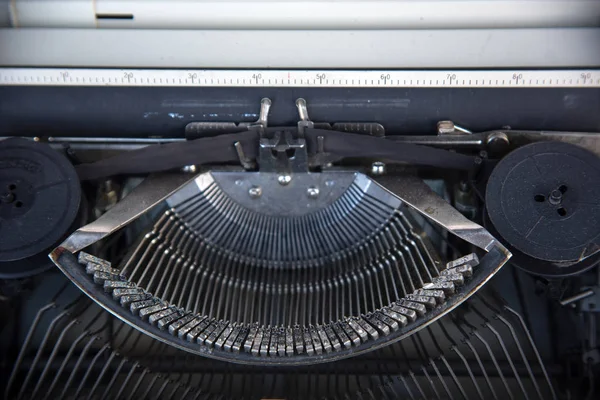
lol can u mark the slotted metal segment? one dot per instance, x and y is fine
(257, 269)
(230, 271)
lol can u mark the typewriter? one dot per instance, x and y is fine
(278, 200)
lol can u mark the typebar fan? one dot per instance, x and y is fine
(263, 268)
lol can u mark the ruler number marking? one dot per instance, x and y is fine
(517, 77)
(585, 76)
(256, 77)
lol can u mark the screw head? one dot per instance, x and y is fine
(445, 128)
(189, 169)
(378, 168)
(284, 179)
(255, 192)
(312, 192)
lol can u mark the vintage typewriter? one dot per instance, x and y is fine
(207, 201)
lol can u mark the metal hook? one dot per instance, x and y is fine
(304, 122)
(263, 118)
(246, 162)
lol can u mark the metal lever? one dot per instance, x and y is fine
(262, 122)
(246, 162)
(304, 122)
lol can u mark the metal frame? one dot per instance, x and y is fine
(409, 189)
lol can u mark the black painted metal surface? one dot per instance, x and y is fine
(164, 112)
